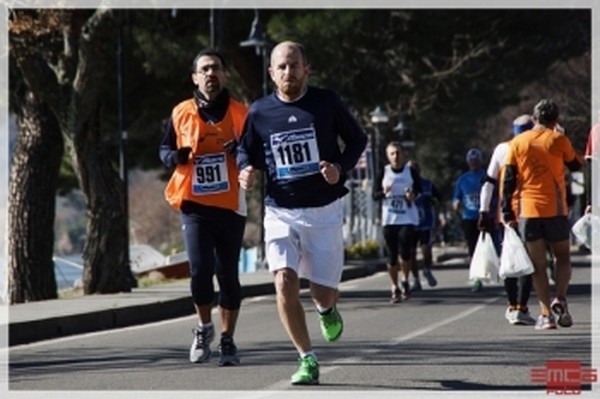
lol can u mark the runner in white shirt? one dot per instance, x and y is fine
(397, 187)
(518, 290)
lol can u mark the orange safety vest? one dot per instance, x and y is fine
(210, 177)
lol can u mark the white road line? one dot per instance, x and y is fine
(285, 384)
(258, 298)
(442, 323)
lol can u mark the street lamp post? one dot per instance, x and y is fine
(123, 167)
(258, 39)
(404, 133)
(211, 20)
(379, 117)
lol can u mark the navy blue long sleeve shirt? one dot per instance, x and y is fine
(288, 139)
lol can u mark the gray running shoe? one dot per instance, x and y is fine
(523, 319)
(416, 285)
(511, 315)
(200, 350)
(560, 308)
(396, 295)
(430, 278)
(545, 323)
(405, 290)
(228, 351)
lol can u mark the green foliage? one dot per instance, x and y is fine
(67, 180)
(449, 71)
(368, 249)
(175, 248)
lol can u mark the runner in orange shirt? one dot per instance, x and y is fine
(535, 165)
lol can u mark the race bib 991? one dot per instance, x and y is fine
(210, 174)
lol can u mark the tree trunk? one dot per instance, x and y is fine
(105, 268)
(64, 55)
(32, 192)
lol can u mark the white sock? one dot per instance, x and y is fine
(321, 309)
(309, 353)
(207, 325)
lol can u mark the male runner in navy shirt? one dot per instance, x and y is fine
(293, 135)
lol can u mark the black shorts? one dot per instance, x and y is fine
(399, 239)
(423, 237)
(552, 229)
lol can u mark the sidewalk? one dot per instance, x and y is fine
(36, 321)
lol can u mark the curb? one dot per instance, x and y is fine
(30, 331)
(81, 323)
(26, 332)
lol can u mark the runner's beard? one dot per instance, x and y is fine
(292, 88)
(213, 86)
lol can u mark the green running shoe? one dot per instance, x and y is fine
(477, 286)
(308, 371)
(332, 325)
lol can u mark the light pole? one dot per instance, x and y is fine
(404, 133)
(131, 280)
(258, 39)
(212, 27)
(379, 117)
(216, 28)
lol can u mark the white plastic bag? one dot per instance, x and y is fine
(484, 263)
(585, 227)
(514, 259)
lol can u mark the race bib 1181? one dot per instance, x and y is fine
(296, 153)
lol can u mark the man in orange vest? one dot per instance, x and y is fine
(199, 143)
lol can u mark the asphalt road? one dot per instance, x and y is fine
(443, 342)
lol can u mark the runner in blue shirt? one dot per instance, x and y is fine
(466, 201)
(426, 203)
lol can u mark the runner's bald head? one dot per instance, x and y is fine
(291, 46)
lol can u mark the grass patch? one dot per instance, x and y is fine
(143, 282)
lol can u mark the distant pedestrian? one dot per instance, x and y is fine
(427, 204)
(535, 166)
(396, 187)
(466, 201)
(199, 143)
(518, 289)
(294, 135)
(592, 161)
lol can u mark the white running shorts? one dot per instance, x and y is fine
(306, 240)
